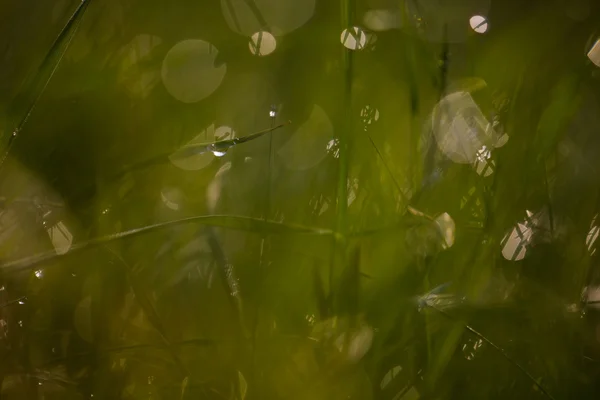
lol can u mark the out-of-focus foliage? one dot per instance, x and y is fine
(416, 216)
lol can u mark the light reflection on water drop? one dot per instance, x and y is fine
(219, 153)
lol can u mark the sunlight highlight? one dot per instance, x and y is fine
(223, 133)
(516, 244)
(194, 162)
(594, 53)
(389, 376)
(447, 228)
(357, 344)
(592, 236)
(171, 198)
(333, 147)
(462, 131)
(483, 165)
(262, 43)
(354, 38)
(61, 238)
(471, 347)
(479, 24)
(189, 72)
(592, 297)
(369, 115)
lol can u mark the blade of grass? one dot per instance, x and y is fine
(497, 348)
(233, 14)
(388, 169)
(260, 272)
(436, 125)
(184, 386)
(124, 349)
(247, 224)
(228, 277)
(257, 14)
(196, 149)
(339, 240)
(46, 71)
(148, 307)
(14, 301)
(200, 148)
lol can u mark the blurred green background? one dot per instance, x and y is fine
(299, 199)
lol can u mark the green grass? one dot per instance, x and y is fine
(310, 260)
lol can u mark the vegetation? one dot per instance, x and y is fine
(299, 199)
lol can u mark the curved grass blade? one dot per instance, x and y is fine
(223, 145)
(124, 349)
(45, 376)
(46, 71)
(255, 11)
(387, 168)
(498, 349)
(18, 300)
(241, 223)
(196, 149)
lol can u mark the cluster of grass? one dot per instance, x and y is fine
(332, 250)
